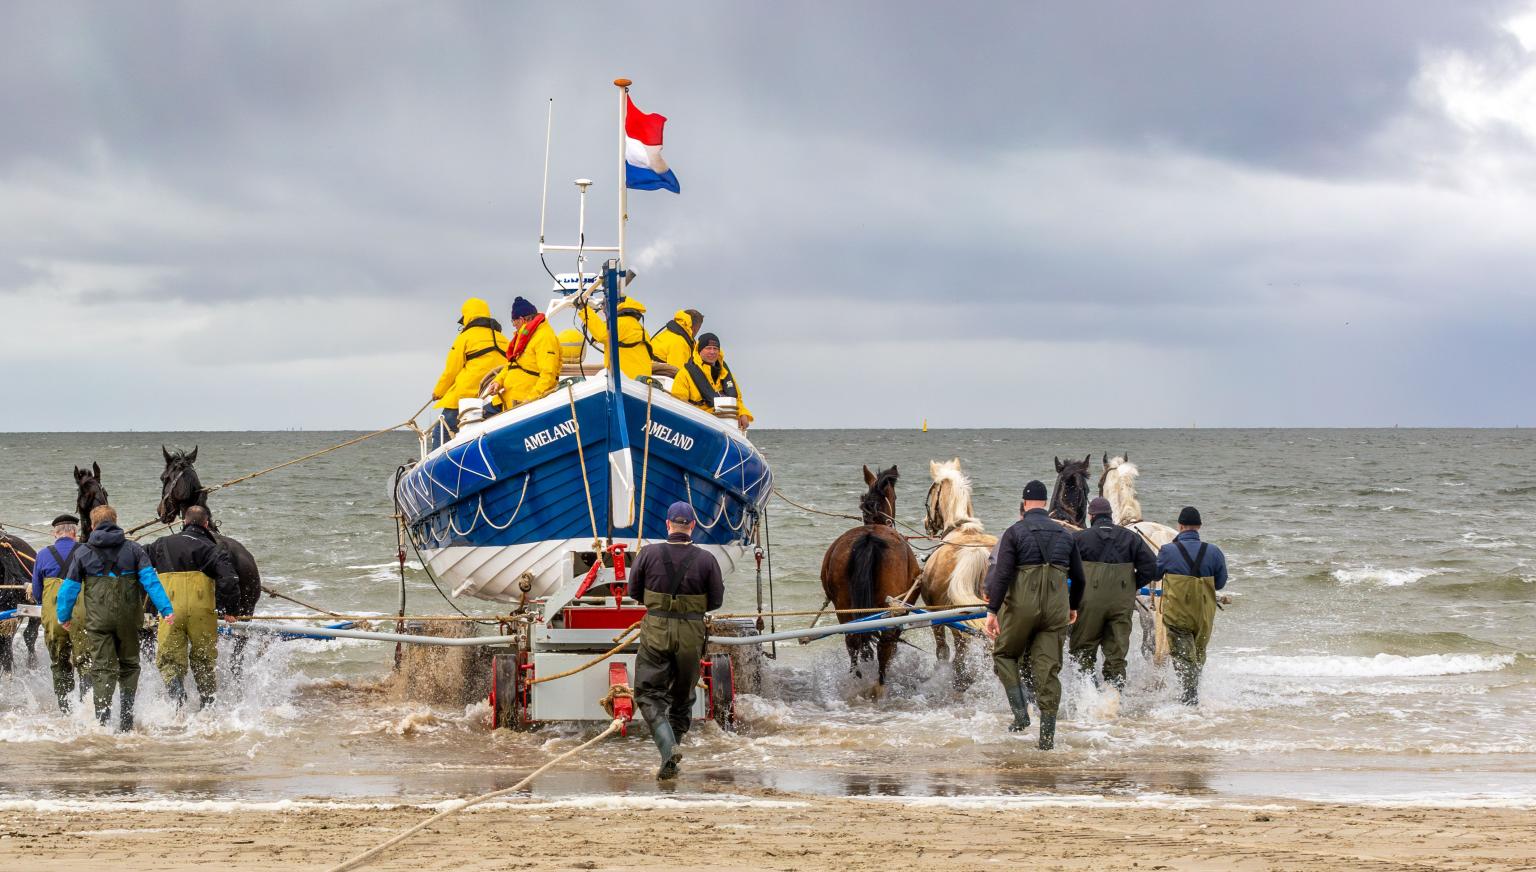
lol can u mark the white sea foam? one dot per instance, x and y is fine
(1380, 666)
(1002, 802)
(228, 806)
(1381, 576)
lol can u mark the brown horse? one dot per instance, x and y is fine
(866, 566)
(954, 573)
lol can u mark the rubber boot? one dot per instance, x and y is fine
(103, 705)
(1047, 732)
(1020, 708)
(125, 714)
(177, 690)
(666, 743)
(205, 698)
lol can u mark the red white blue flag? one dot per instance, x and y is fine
(644, 170)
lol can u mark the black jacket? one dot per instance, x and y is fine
(702, 576)
(1107, 542)
(1021, 546)
(195, 550)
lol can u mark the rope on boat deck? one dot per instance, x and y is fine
(371, 853)
(407, 423)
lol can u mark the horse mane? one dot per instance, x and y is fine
(1120, 490)
(956, 508)
(872, 504)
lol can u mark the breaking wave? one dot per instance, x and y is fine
(1379, 666)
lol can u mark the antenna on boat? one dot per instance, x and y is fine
(581, 236)
(549, 127)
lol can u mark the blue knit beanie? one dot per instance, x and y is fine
(521, 308)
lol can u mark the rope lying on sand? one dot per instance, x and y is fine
(364, 857)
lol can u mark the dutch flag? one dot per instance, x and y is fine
(644, 170)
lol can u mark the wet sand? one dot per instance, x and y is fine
(783, 832)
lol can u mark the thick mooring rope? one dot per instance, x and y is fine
(364, 857)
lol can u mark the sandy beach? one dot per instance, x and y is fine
(780, 832)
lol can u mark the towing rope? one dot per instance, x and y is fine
(581, 455)
(407, 423)
(645, 468)
(371, 853)
(28, 529)
(624, 640)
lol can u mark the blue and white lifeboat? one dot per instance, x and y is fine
(498, 511)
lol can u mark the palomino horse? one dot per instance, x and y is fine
(1069, 497)
(867, 565)
(91, 495)
(181, 488)
(954, 572)
(1117, 483)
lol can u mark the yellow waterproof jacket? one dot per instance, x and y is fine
(479, 348)
(673, 343)
(634, 350)
(718, 381)
(535, 372)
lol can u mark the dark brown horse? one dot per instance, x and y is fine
(1069, 497)
(867, 565)
(91, 495)
(180, 488)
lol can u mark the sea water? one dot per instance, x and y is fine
(1380, 646)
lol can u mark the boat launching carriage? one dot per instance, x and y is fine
(538, 506)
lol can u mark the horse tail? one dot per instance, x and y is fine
(863, 565)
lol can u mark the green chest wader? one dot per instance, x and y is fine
(1188, 611)
(1033, 619)
(195, 630)
(1104, 619)
(671, 645)
(114, 614)
(67, 651)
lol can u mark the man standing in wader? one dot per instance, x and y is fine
(678, 582)
(199, 577)
(1192, 573)
(1116, 562)
(116, 575)
(66, 648)
(1034, 590)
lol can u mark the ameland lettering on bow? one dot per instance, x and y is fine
(548, 435)
(671, 437)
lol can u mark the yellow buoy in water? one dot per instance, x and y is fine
(925, 425)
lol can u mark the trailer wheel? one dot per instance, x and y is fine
(722, 691)
(507, 691)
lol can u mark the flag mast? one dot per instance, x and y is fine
(623, 86)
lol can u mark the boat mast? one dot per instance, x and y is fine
(621, 467)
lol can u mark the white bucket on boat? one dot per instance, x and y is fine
(471, 409)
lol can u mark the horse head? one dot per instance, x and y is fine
(91, 494)
(879, 504)
(1069, 498)
(1109, 464)
(179, 485)
(949, 498)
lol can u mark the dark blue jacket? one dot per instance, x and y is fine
(128, 558)
(47, 567)
(1172, 562)
(1021, 545)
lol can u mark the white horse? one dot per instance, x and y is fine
(1117, 484)
(954, 572)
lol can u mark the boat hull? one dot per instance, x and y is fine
(501, 505)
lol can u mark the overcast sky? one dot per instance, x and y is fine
(1122, 214)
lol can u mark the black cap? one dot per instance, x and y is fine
(1189, 516)
(66, 519)
(709, 339)
(1099, 506)
(1035, 490)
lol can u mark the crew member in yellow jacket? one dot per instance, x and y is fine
(673, 343)
(634, 346)
(707, 376)
(533, 357)
(479, 348)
